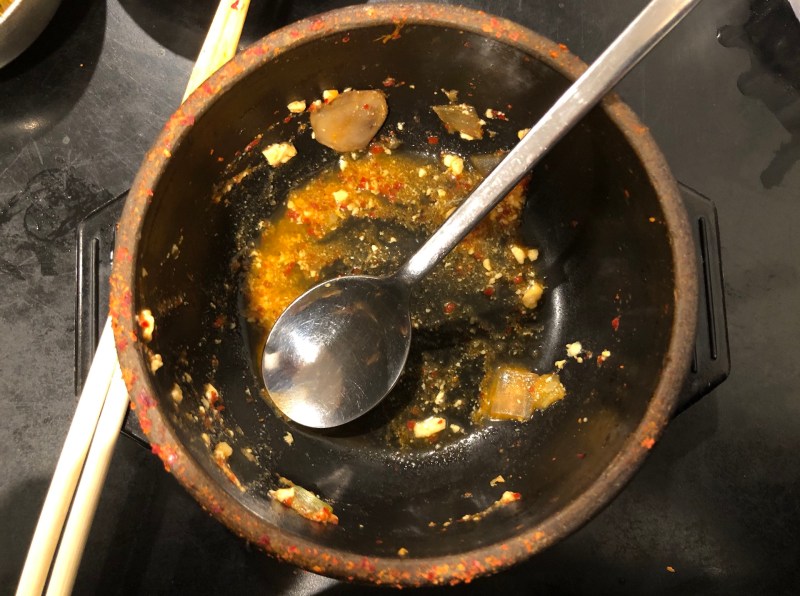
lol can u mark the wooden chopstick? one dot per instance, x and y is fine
(221, 42)
(69, 467)
(87, 495)
(85, 457)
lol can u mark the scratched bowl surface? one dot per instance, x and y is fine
(602, 208)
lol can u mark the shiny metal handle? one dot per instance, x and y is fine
(652, 24)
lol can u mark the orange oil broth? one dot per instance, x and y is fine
(380, 186)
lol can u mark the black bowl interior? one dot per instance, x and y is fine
(591, 209)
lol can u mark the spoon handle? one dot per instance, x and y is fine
(646, 30)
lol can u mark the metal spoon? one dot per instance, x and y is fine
(338, 349)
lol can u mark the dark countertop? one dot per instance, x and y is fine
(718, 501)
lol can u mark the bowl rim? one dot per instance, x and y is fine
(401, 571)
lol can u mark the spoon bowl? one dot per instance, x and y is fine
(338, 349)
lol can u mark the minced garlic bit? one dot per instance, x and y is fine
(522, 133)
(518, 253)
(532, 295)
(210, 392)
(533, 254)
(496, 480)
(455, 428)
(156, 362)
(453, 163)
(605, 354)
(340, 196)
(560, 364)
(176, 394)
(297, 107)
(402, 551)
(288, 438)
(574, 351)
(509, 497)
(206, 439)
(222, 452)
(429, 427)
(487, 264)
(422, 172)
(330, 94)
(279, 153)
(342, 164)
(147, 323)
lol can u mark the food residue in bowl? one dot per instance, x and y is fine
(514, 393)
(365, 214)
(304, 502)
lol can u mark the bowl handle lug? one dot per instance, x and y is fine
(711, 362)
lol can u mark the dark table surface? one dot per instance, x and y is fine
(715, 509)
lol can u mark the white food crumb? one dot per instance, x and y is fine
(533, 254)
(176, 394)
(508, 497)
(453, 163)
(428, 427)
(330, 94)
(297, 107)
(439, 399)
(222, 451)
(518, 253)
(532, 295)
(560, 364)
(288, 438)
(248, 453)
(574, 349)
(210, 392)
(522, 133)
(147, 323)
(487, 264)
(279, 153)
(401, 126)
(605, 354)
(466, 137)
(496, 480)
(455, 428)
(342, 164)
(156, 362)
(340, 196)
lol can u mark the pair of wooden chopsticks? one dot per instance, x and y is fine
(66, 517)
